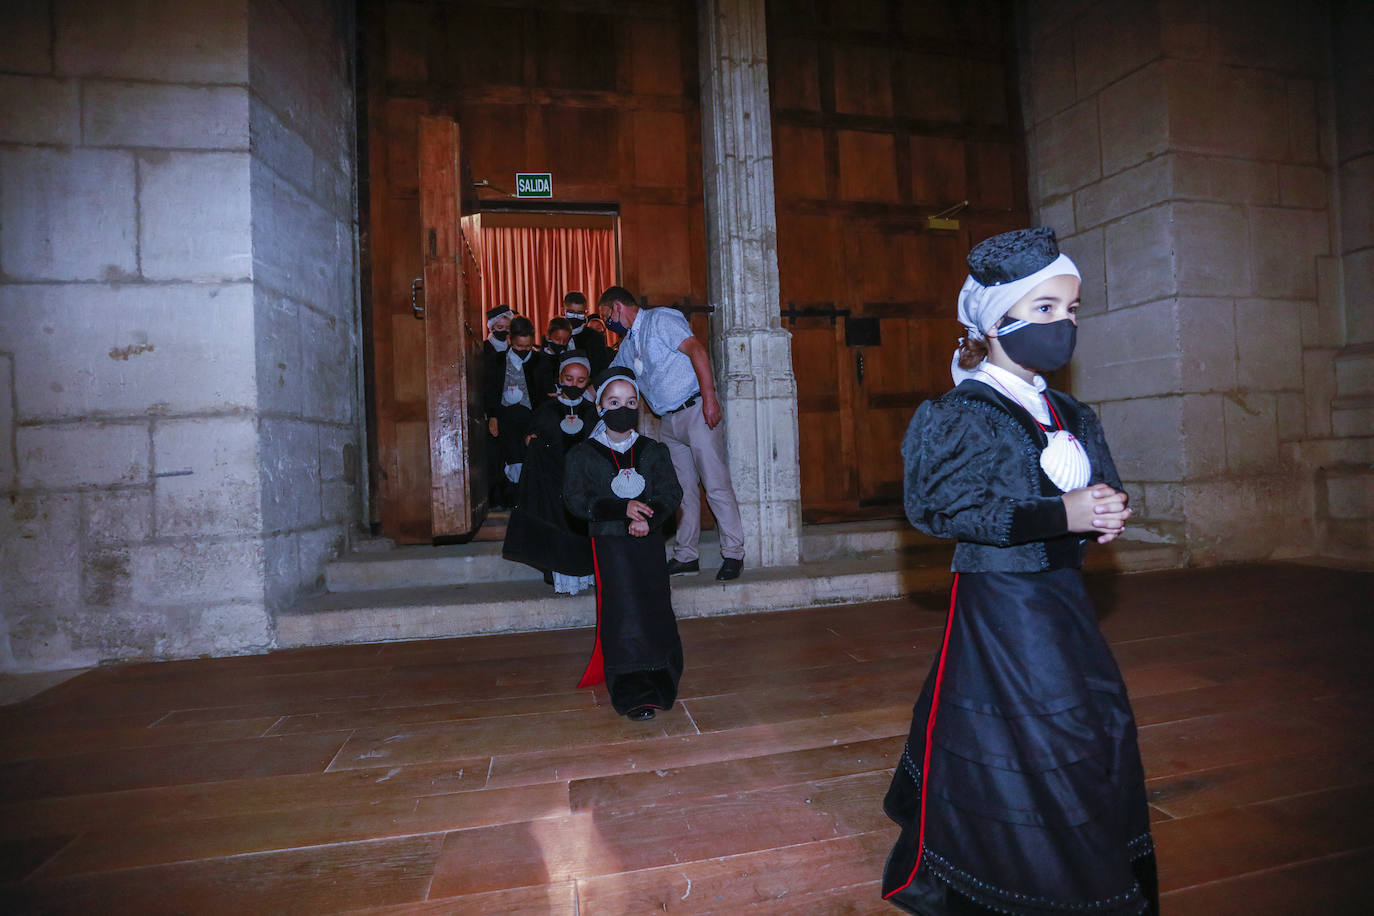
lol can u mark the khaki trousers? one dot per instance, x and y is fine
(699, 457)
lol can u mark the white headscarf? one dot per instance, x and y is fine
(981, 307)
(599, 431)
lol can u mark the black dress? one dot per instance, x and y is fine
(541, 532)
(637, 651)
(1020, 789)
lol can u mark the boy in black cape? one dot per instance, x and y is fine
(541, 533)
(513, 387)
(624, 485)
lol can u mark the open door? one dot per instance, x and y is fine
(452, 355)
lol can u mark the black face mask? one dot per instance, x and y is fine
(571, 392)
(500, 335)
(575, 321)
(621, 419)
(1041, 347)
(523, 355)
(557, 348)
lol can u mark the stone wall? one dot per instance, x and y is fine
(145, 340)
(303, 130)
(1184, 153)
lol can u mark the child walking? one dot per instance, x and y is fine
(541, 533)
(513, 386)
(624, 485)
(1020, 790)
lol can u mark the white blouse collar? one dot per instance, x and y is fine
(1030, 395)
(599, 434)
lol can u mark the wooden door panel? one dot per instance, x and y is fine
(884, 114)
(868, 165)
(799, 162)
(826, 442)
(457, 505)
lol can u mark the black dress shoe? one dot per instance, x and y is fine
(640, 713)
(677, 568)
(730, 568)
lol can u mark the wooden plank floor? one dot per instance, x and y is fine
(469, 776)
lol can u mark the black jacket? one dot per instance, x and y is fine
(587, 485)
(539, 376)
(973, 473)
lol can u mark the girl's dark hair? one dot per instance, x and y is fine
(521, 327)
(972, 352)
(560, 324)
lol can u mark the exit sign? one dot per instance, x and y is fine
(533, 184)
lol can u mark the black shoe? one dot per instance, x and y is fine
(730, 568)
(640, 713)
(677, 568)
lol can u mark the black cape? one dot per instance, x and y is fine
(638, 652)
(541, 532)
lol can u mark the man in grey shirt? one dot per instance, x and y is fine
(674, 373)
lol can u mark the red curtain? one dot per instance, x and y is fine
(530, 268)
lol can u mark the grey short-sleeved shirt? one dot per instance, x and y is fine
(665, 373)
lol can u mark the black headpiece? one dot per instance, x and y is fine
(1012, 255)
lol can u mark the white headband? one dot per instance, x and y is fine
(579, 360)
(619, 378)
(491, 321)
(981, 307)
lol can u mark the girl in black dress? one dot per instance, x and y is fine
(541, 533)
(624, 485)
(1020, 789)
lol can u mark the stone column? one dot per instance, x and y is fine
(752, 352)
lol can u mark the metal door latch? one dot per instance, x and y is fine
(416, 287)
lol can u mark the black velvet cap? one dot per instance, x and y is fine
(493, 314)
(613, 373)
(1012, 255)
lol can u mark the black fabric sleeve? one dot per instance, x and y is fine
(609, 509)
(964, 477)
(492, 377)
(580, 487)
(1038, 519)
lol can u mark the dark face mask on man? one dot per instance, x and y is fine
(621, 419)
(1040, 347)
(500, 335)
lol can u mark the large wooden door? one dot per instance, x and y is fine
(430, 436)
(453, 355)
(884, 115)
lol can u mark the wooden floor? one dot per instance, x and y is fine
(469, 776)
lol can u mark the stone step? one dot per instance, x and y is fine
(481, 561)
(481, 608)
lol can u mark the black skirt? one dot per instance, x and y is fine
(638, 652)
(1020, 789)
(541, 532)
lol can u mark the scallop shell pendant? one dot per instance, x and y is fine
(627, 483)
(511, 395)
(1065, 462)
(571, 424)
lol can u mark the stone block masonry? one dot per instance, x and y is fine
(176, 238)
(1197, 147)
